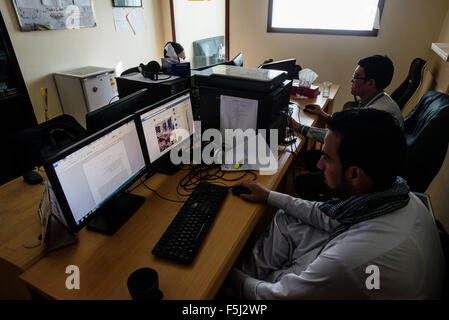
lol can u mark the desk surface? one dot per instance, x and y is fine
(105, 262)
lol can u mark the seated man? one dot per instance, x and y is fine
(376, 241)
(372, 75)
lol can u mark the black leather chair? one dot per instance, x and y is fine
(409, 86)
(427, 135)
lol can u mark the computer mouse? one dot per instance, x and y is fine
(237, 190)
(310, 107)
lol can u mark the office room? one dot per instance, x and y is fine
(407, 30)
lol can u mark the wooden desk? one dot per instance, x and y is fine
(19, 232)
(105, 262)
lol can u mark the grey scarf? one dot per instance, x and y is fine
(363, 207)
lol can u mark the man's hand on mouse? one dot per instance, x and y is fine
(258, 192)
(316, 109)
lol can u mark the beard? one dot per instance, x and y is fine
(341, 189)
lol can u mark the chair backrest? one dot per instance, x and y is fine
(427, 135)
(409, 86)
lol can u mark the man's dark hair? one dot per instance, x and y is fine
(379, 68)
(372, 140)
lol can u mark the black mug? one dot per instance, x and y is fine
(143, 284)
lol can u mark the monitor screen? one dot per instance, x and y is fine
(93, 171)
(166, 124)
(283, 65)
(111, 113)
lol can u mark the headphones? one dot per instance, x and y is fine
(151, 70)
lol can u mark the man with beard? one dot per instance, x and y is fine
(375, 241)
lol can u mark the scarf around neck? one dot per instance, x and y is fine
(363, 207)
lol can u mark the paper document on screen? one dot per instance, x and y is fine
(107, 171)
(237, 113)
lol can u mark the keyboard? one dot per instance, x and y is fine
(186, 232)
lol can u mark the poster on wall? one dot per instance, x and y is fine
(41, 15)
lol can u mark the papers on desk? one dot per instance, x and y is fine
(139, 77)
(251, 154)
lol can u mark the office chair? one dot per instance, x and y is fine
(427, 137)
(410, 85)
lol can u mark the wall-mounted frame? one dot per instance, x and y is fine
(68, 15)
(127, 3)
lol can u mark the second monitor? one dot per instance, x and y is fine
(165, 125)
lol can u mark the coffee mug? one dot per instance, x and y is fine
(143, 284)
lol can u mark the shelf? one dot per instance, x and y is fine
(442, 50)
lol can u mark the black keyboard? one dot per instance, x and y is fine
(186, 232)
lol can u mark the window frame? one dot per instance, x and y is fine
(369, 33)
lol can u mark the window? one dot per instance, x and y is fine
(345, 17)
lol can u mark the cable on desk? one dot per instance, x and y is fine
(162, 197)
(210, 174)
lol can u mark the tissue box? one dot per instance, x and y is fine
(175, 68)
(312, 92)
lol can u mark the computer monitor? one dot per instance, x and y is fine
(283, 65)
(90, 178)
(165, 125)
(111, 113)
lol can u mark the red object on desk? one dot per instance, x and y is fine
(312, 92)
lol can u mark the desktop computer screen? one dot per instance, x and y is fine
(167, 124)
(89, 175)
(111, 113)
(288, 65)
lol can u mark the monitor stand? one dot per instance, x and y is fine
(115, 213)
(167, 167)
(164, 165)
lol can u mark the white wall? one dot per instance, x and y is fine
(42, 53)
(408, 27)
(195, 20)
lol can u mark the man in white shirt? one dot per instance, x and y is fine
(375, 241)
